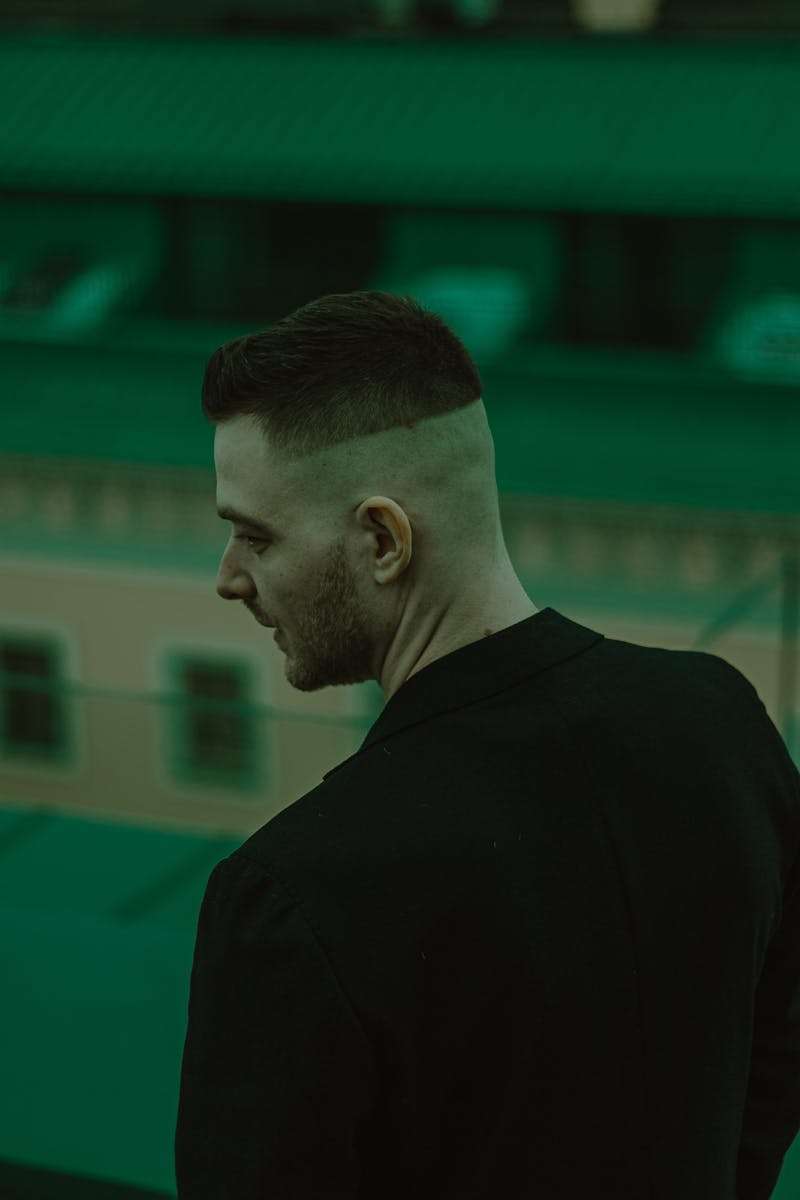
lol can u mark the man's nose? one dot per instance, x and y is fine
(232, 582)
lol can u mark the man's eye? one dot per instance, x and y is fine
(247, 537)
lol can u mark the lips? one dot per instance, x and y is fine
(266, 624)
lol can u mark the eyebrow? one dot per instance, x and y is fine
(231, 514)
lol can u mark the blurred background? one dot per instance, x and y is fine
(602, 197)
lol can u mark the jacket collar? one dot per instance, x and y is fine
(477, 670)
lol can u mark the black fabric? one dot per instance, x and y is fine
(539, 937)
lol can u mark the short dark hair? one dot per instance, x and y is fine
(340, 367)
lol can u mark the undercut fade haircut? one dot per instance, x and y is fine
(341, 367)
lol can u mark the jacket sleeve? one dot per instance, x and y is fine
(276, 1076)
(772, 1111)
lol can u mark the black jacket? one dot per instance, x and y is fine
(539, 937)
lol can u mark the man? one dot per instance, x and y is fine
(540, 935)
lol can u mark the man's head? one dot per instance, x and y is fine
(355, 430)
